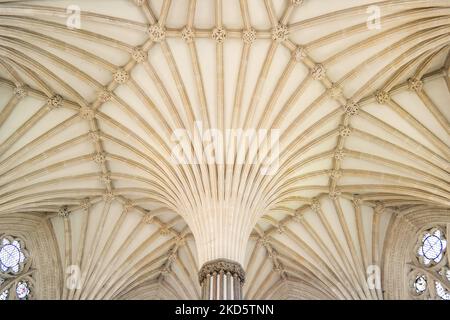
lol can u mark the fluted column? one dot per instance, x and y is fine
(221, 279)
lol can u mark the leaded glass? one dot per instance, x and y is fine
(15, 276)
(420, 284)
(441, 292)
(432, 247)
(4, 295)
(22, 290)
(431, 271)
(11, 256)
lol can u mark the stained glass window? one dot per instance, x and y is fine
(441, 292)
(420, 284)
(11, 256)
(431, 270)
(22, 290)
(433, 247)
(16, 279)
(4, 295)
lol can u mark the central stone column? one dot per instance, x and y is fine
(221, 279)
(221, 230)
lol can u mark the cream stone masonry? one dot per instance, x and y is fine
(88, 123)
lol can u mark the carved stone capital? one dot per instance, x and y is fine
(345, 131)
(121, 76)
(356, 201)
(187, 34)
(263, 241)
(104, 96)
(139, 55)
(109, 196)
(221, 265)
(87, 113)
(379, 207)
(180, 240)
(64, 211)
(156, 33)
(20, 91)
(280, 33)
(249, 36)
(298, 217)
(339, 154)
(334, 194)
(106, 178)
(54, 102)
(94, 135)
(278, 268)
(415, 84)
(315, 205)
(219, 34)
(335, 174)
(99, 157)
(271, 252)
(299, 54)
(382, 96)
(318, 72)
(164, 231)
(85, 204)
(148, 218)
(296, 3)
(351, 108)
(166, 270)
(172, 256)
(281, 228)
(128, 205)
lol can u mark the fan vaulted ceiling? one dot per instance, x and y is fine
(88, 115)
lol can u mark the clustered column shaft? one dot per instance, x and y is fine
(222, 280)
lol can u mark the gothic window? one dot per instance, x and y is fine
(430, 269)
(420, 284)
(15, 272)
(432, 247)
